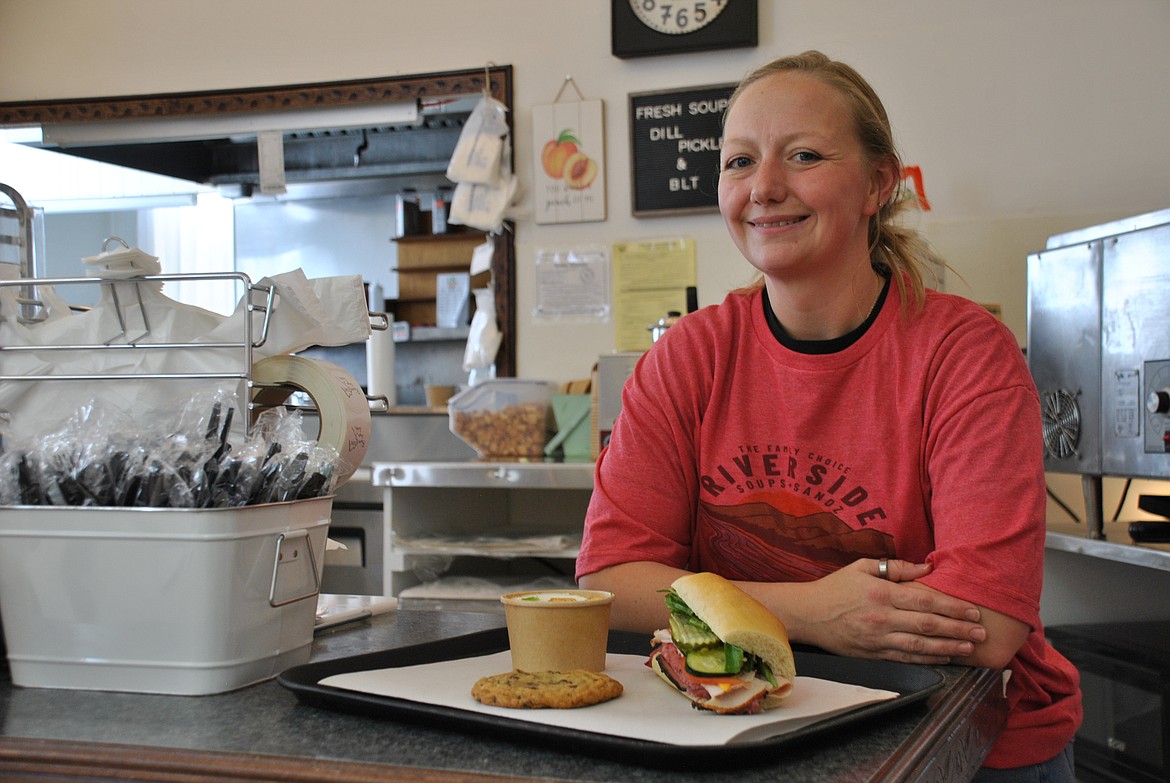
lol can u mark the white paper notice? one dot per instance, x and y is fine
(448, 683)
(451, 299)
(572, 283)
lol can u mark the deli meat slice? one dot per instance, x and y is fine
(741, 694)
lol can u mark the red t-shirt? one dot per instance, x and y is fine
(920, 441)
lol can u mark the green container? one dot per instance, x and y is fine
(571, 412)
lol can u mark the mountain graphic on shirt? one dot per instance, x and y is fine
(757, 541)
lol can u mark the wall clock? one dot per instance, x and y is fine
(642, 28)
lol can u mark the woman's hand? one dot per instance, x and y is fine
(855, 612)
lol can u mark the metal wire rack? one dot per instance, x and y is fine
(32, 295)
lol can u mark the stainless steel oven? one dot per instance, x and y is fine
(1099, 351)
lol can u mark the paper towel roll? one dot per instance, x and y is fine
(380, 366)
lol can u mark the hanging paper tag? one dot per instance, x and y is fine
(481, 257)
(270, 149)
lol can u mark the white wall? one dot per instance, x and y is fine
(1028, 117)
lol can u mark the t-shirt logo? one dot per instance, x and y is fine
(785, 513)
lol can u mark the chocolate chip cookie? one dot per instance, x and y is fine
(536, 690)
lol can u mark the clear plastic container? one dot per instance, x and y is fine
(504, 417)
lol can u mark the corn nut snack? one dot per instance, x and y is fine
(510, 431)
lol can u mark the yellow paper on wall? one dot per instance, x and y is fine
(650, 279)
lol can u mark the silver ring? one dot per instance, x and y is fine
(884, 568)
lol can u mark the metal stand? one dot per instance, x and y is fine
(1094, 509)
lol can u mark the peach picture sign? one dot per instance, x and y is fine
(568, 140)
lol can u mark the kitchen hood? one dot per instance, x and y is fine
(356, 150)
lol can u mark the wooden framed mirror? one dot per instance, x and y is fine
(494, 80)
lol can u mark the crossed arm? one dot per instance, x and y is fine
(849, 612)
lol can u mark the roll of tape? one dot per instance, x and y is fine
(338, 397)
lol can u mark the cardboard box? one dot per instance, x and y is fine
(437, 252)
(417, 285)
(415, 313)
(147, 600)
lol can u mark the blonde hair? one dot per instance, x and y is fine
(895, 251)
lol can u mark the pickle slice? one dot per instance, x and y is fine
(689, 637)
(724, 659)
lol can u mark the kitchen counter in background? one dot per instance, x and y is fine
(1087, 580)
(264, 733)
(405, 433)
(474, 529)
(1117, 545)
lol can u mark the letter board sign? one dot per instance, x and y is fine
(674, 149)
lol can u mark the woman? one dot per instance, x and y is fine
(854, 449)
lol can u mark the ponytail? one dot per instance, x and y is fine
(902, 253)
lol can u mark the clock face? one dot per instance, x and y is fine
(677, 17)
(642, 28)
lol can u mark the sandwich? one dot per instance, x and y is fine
(723, 650)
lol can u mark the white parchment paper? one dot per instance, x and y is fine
(648, 709)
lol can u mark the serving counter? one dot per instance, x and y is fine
(264, 733)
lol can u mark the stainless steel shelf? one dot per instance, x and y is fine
(1072, 539)
(433, 334)
(484, 474)
(489, 518)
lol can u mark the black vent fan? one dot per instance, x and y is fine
(1062, 423)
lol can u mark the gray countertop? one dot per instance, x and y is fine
(267, 721)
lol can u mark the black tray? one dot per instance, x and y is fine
(913, 683)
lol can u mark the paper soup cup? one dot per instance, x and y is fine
(558, 630)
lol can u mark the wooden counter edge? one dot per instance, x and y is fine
(96, 761)
(967, 718)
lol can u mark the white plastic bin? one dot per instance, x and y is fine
(176, 601)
